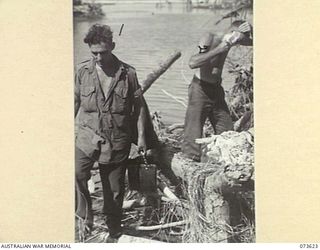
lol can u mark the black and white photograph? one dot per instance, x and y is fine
(159, 121)
(164, 121)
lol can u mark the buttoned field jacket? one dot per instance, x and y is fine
(107, 123)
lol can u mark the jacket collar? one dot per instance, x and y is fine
(91, 66)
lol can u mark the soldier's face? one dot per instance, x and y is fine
(101, 52)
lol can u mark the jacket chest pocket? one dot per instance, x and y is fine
(120, 102)
(88, 98)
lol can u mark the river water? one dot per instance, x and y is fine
(149, 35)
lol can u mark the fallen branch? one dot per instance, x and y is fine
(146, 84)
(175, 126)
(96, 197)
(97, 236)
(166, 199)
(129, 204)
(166, 191)
(175, 98)
(163, 226)
(101, 226)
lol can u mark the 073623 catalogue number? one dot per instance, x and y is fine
(305, 245)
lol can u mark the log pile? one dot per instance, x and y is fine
(227, 170)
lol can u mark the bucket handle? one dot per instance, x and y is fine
(143, 154)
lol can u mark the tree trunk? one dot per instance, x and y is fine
(155, 74)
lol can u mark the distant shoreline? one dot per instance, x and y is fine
(107, 2)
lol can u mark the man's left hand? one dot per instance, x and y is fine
(142, 145)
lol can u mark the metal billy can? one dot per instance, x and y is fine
(143, 177)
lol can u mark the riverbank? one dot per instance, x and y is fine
(159, 217)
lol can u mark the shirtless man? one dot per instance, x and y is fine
(206, 95)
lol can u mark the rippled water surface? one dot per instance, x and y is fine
(149, 35)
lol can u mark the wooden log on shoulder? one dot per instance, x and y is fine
(155, 74)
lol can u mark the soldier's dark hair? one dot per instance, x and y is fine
(98, 33)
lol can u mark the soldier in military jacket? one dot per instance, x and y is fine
(109, 110)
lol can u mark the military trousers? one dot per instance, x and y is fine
(112, 179)
(206, 100)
